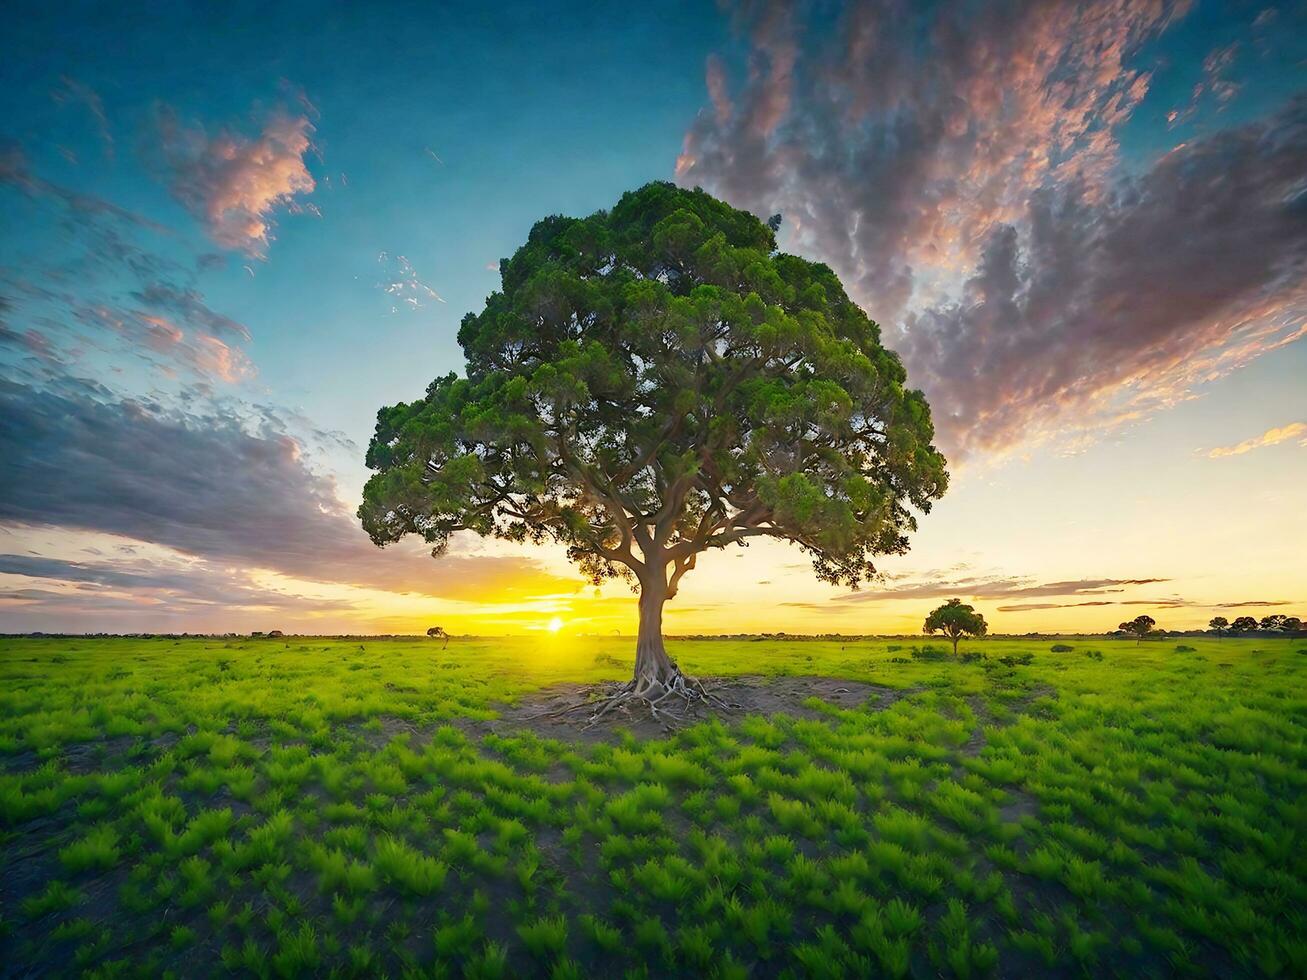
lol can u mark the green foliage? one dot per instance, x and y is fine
(956, 619)
(97, 851)
(402, 865)
(1126, 813)
(1139, 627)
(545, 937)
(657, 377)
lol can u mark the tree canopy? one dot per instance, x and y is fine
(1139, 627)
(654, 381)
(956, 619)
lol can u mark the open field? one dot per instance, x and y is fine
(300, 806)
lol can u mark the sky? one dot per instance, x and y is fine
(230, 235)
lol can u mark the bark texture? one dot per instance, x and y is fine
(658, 684)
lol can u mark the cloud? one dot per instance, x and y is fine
(1175, 603)
(1251, 603)
(189, 305)
(15, 171)
(190, 584)
(236, 184)
(403, 285)
(73, 92)
(992, 587)
(209, 486)
(958, 165)
(30, 342)
(158, 339)
(1271, 437)
(108, 288)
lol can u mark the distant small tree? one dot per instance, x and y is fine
(955, 619)
(1219, 624)
(1243, 624)
(438, 633)
(1273, 622)
(1291, 624)
(1140, 626)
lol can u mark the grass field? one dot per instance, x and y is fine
(312, 807)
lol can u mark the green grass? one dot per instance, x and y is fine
(310, 807)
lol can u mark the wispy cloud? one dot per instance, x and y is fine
(992, 587)
(1172, 603)
(72, 92)
(957, 164)
(236, 184)
(401, 282)
(110, 289)
(215, 487)
(1271, 437)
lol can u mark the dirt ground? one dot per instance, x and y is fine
(545, 712)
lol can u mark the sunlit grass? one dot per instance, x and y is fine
(306, 807)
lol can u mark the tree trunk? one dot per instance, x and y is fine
(652, 665)
(956, 637)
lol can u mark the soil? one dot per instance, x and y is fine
(563, 711)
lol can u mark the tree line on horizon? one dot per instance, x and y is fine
(1275, 623)
(955, 619)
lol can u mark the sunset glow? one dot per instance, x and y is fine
(249, 270)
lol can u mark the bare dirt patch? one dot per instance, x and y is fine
(563, 711)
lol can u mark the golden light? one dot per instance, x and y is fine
(555, 625)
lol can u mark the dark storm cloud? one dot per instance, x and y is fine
(205, 485)
(958, 164)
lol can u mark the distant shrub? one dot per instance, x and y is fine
(1061, 648)
(1017, 660)
(1094, 654)
(895, 648)
(1181, 648)
(929, 652)
(971, 656)
(905, 660)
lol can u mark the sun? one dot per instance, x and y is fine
(554, 625)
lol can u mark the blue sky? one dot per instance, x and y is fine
(1088, 247)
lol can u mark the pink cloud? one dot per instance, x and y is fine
(958, 165)
(236, 184)
(1271, 437)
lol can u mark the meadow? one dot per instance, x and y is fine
(303, 806)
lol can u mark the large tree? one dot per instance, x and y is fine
(650, 383)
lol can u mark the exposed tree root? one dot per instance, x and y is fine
(659, 695)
